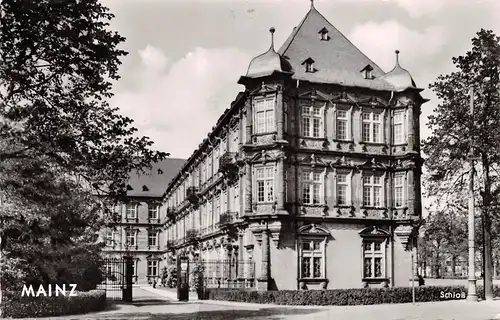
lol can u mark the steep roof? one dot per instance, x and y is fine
(154, 182)
(336, 59)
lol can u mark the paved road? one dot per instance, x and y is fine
(151, 304)
(443, 310)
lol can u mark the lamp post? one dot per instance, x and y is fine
(471, 292)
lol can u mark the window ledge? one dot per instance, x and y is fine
(343, 206)
(381, 144)
(375, 280)
(264, 133)
(313, 280)
(374, 208)
(345, 141)
(313, 138)
(315, 205)
(399, 144)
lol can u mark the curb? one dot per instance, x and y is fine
(254, 306)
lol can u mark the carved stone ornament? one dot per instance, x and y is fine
(404, 232)
(374, 231)
(275, 231)
(314, 230)
(345, 211)
(314, 144)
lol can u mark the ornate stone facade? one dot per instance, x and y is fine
(314, 180)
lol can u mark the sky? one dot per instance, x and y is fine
(185, 57)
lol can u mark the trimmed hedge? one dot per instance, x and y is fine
(345, 297)
(24, 307)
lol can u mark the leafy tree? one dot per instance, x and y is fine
(444, 237)
(60, 140)
(456, 131)
(49, 230)
(57, 63)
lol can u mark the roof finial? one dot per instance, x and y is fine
(397, 57)
(272, 37)
(312, 4)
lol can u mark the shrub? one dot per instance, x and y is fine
(343, 297)
(16, 306)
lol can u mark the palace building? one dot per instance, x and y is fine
(309, 180)
(139, 231)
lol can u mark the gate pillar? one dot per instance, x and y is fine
(183, 278)
(127, 283)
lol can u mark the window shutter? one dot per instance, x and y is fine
(349, 133)
(405, 188)
(335, 200)
(323, 194)
(383, 121)
(334, 124)
(349, 188)
(322, 121)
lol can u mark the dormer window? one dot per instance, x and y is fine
(160, 171)
(323, 34)
(145, 188)
(367, 72)
(309, 64)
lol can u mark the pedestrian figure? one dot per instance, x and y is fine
(154, 283)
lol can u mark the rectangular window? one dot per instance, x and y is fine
(210, 168)
(131, 210)
(109, 238)
(217, 209)
(371, 128)
(342, 185)
(153, 211)
(372, 191)
(342, 125)
(312, 122)
(130, 236)
(210, 213)
(236, 201)
(312, 185)
(133, 268)
(152, 238)
(152, 268)
(264, 115)
(399, 128)
(312, 258)
(203, 172)
(398, 191)
(265, 184)
(216, 160)
(373, 259)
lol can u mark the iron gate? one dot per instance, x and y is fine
(117, 278)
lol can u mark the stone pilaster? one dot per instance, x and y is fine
(241, 128)
(404, 233)
(411, 190)
(280, 185)
(263, 281)
(241, 265)
(248, 189)
(411, 128)
(249, 122)
(279, 115)
(229, 193)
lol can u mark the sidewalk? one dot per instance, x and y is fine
(171, 294)
(442, 310)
